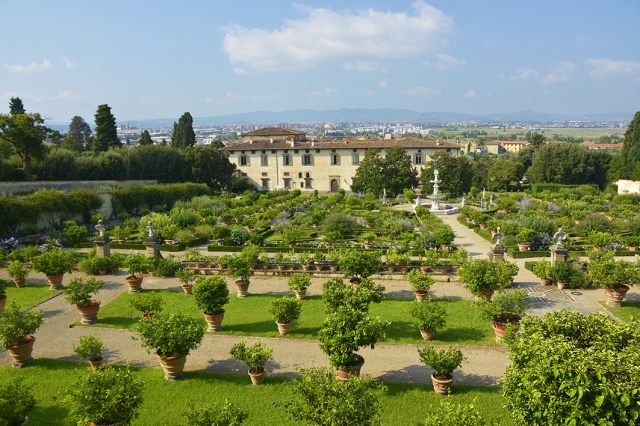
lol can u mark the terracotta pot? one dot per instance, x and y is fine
(21, 354)
(89, 313)
(257, 377)
(214, 321)
(55, 281)
(305, 267)
(633, 248)
(95, 364)
(441, 385)
(424, 269)
(500, 327)
(301, 294)
(134, 283)
(523, 246)
(421, 295)
(115, 269)
(427, 335)
(368, 245)
(319, 267)
(3, 303)
(487, 293)
(284, 327)
(616, 295)
(187, 288)
(102, 271)
(20, 283)
(220, 242)
(483, 226)
(353, 369)
(265, 267)
(243, 287)
(391, 268)
(405, 269)
(173, 366)
(334, 268)
(222, 265)
(560, 285)
(544, 281)
(281, 267)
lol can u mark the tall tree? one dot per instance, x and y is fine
(503, 173)
(106, 130)
(25, 132)
(393, 172)
(208, 165)
(455, 173)
(569, 164)
(80, 132)
(632, 138)
(145, 139)
(536, 140)
(183, 135)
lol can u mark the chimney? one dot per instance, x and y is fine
(271, 140)
(313, 142)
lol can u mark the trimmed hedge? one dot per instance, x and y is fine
(517, 254)
(555, 187)
(140, 246)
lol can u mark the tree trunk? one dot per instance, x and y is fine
(26, 166)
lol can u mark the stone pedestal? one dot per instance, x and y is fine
(103, 246)
(153, 247)
(559, 254)
(497, 252)
(483, 203)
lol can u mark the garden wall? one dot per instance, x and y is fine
(628, 186)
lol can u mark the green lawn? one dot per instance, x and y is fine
(625, 313)
(250, 317)
(164, 402)
(29, 295)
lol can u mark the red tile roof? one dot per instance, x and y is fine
(325, 143)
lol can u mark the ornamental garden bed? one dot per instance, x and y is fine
(250, 317)
(30, 295)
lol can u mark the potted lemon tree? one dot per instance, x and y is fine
(16, 333)
(79, 293)
(443, 362)
(505, 309)
(211, 294)
(299, 283)
(54, 263)
(19, 273)
(428, 315)
(285, 310)
(137, 264)
(420, 283)
(90, 348)
(255, 357)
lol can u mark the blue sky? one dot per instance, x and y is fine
(159, 59)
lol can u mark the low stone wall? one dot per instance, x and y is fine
(9, 188)
(628, 186)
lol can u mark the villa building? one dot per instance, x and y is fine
(273, 158)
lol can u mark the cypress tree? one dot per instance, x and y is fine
(632, 138)
(106, 131)
(145, 139)
(183, 135)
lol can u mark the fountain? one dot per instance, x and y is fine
(437, 207)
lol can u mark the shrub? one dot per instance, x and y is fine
(634, 225)
(17, 270)
(450, 414)
(285, 309)
(137, 263)
(165, 266)
(227, 414)
(90, 347)
(171, 335)
(147, 303)
(237, 236)
(420, 282)
(358, 263)
(211, 294)
(614, 274)
(299, 281)
(15, 326)
(16, 400)
(75, 233)
(483, 274)
(443, 362)
(78, 292)
(255, 357)
(505, 307)
(53, 262)
(340, 225)
(542, 269)
(428, 315)
(184, 218)
(599, 239)
(594, 222)
(336, 293)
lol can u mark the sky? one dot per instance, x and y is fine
(159, 59)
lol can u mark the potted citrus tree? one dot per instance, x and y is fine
(285, 310)
(526, 237)
(359, 264)
(616, 277)
(211, 294)
(186, 277)
(299, 283)
(17, 400)
(137, 264)
(16, 332)
(148, 303)
(563, 274)
(542, 270)
(79, 293)
(90, 348)
(171, 337)
(505, 309)
(240, 267)
(54, 263)
(428, 315)
(228, 413)
(255, 357)
(19, 273)
(443, 362)
(482, 277)
(420, 283)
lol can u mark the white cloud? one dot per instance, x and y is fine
(370, 93)
(327, 92)
(471, 94)
(361, 66)
(524, 74)
(68, 63)
(559, 72)
(383, 83)
(61, 96)
(32, 67)
(241, 71)
(426, 63)
(326, 36)
(424, 92)
(603, 68)
(448, 61)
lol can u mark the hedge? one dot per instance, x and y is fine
(555, 187)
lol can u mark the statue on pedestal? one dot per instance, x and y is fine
(100, 228)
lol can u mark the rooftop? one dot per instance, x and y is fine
(325, 143)
(273, 131)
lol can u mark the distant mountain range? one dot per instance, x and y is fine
(364, 115)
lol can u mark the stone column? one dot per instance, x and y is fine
(497, 252)
(559, 254)
(103, 243)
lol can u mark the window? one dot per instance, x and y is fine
(335, 159)
(307, 183)
(417, 159)
(244, 160)
(287, 183)
(317, 151)
(300, 175)
(308, 175)
(286, 160)
(286, 174)
(355, 150)
(273, 151)
(264, 160)
(264, 174)
(306, 151)
(301, 184)
(307, 160)
(253, 152)
(295, 151)
(448, 149)
(265, 183)
(264, 152)
(355, 159)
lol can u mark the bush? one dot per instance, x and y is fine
(599, 239)
(227, 414)
(78, 292)
(336, 293)
(542, 269)
(505, 307)
(53, 262)
(165, 266)
(171, 335)
(17, 270)
(184, 218)
(340, 225)
(428, 315)
(15, 326)
(420, 282)
(16, 400)
(360, 264)
(90, 347)
(443, 362)
(147, 303)
(594, 222)
(285, 310)
(484, 274)
(255, 357)
(211, 294)
(299, 281)
(450, 414)
(237, 236)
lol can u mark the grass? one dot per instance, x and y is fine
(164, 402)
(628, 310)
(250, 317)
(29, 295)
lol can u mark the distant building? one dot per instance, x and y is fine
(595, 145)
(513, 146)
(494, 147)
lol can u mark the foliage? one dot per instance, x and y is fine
(285, 309)
(336, 293)
(428, 315)
(632, 138)
(346, 330)
(17, 270)
(137, 263)
(164, 266)
(184, 218)
(227, 414)
(170, 335)
(299, 281)
(504, 173)
(15, 326)
(255, 357)
(54, 262)
(443, 361)
(483, 274)
(614, 274)
(569, 368)
(90, 347)
(542, 269)
(455, 173)
(16, 400)
(505, 307)
(75, 233)
(106, 134)
(341, 225)
(108, 395)
(450, 414)
(183, 135)
(353, 402)
(563, 272)
(569, 164)
(147, 303)
(594, 222)
(599, 239)
(78, 292)
(526, 236)
(393, 172)
(211, 294)
(240, 267)
(185, 275)
(360, 263)
(420, 282)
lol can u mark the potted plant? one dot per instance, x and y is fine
(32, 231)
(17, 400)
(505, 309)
(255, 357)
(526, 237)
(428, 315)
(443, 362)
(299, 283)
(481, 277)
(563, 274)
(542, 270)
(305, 259)
(171, 337)
(632, 242)
(116, 261)
(137, 264)
(240, 267)
(616, 277)
(108, 396)
(185, 276)
(54, 263)
(359, 264)
(89, 265)
(369, 238)
(285, 310)
(265, 260)
(505, 203)
(228, 414)
(103, 264)
(148, 303)
(79, 293)
(211, 294)
(121, 233)
(90, 348)
(16, 329)
(420, 283)
(319, 258)
(599, 240)
(19, 273)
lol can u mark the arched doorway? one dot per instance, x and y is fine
(334, 185)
